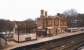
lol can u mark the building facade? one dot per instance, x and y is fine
(54, 24)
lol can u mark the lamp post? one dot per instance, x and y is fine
(15, 27)
(59, 28)
(18, 36)
(46, 26)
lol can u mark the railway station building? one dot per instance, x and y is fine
(52, 24)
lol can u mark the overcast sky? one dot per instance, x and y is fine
(24, 9)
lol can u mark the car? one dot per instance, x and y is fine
(3, 40)
(80, 48)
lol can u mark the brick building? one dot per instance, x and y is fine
(54, 24)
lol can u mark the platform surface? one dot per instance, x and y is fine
(12, 45)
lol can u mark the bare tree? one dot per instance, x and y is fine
(73, 18)
(4, 25)
(71, 12)
(30, 25)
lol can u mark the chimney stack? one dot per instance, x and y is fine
(42, 12)
(46, 13)
(58, 14)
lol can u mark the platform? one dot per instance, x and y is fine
(13, 45)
